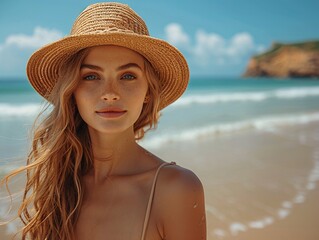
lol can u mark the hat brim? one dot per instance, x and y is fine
(168, 62)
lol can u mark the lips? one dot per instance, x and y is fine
(111, 112)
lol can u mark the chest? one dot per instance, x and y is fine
(116, 211)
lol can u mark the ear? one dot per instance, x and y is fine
(146, 99)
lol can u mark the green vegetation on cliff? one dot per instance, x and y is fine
(276, 47)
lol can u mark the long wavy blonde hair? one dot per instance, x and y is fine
(61, 154)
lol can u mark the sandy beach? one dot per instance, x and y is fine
(258, 184)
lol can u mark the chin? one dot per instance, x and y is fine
(113, 129)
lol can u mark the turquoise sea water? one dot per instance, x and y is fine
(209, 106)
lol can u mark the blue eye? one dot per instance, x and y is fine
(128, 77)
(90, 77)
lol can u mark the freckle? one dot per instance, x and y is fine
(195, 205)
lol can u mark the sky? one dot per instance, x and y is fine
(217, 37)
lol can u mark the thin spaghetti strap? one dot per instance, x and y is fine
(150, 200)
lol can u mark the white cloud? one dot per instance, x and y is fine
(207, 44)
(176, 35)
(40, 37)
(16, 49)
(240, 44)
(210, 49)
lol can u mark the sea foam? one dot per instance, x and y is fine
(256, 96)
(267, 123)
(19, 110)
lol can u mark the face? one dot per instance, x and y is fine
(111, 89)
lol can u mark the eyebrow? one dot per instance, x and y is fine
(123, 67)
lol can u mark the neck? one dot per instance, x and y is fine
(113, 154)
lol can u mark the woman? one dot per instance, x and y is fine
(87, 177)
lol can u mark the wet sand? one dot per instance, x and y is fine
(258, 184)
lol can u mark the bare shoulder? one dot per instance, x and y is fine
(179, 180)
(181, 204)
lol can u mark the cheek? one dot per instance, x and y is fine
(139, 96)
(77, 98)
(83, 93)
(81, 100)
(142, 90)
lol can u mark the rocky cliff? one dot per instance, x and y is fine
(286, 60)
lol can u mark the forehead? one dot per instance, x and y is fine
(112, 54)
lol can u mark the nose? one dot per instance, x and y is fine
(110, 93)
(110, 96)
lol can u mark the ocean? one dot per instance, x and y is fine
(209, 106)
(218, 105)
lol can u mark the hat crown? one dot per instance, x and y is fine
(103, 18)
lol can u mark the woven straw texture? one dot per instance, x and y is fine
(111, 24)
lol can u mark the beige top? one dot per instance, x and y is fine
(150, 200)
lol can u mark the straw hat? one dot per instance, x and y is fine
(111, 24)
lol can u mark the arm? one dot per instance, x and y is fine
(183, 207)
